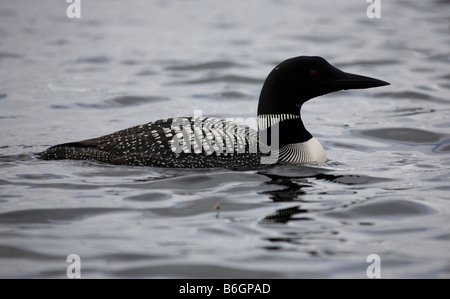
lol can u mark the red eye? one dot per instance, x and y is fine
(313, 73)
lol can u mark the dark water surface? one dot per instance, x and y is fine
(385, 190)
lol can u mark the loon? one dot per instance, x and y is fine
(199, 142)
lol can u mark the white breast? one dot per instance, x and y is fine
(304, 152)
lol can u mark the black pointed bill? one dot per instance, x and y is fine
(352, 81)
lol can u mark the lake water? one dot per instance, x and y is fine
(385, 190)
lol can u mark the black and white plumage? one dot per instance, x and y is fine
(173, 142)
(188, 142)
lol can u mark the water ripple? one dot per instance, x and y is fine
(411, 95)
(224, 79)
(212, 65)
(382, 209)
(407, 135)
(53, 215)
(124, 101)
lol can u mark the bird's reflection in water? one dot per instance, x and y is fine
(294, 188)
(292, 191)
(285, 215)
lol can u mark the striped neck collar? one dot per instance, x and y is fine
(267, 120)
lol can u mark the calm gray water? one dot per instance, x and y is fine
(385, 190)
